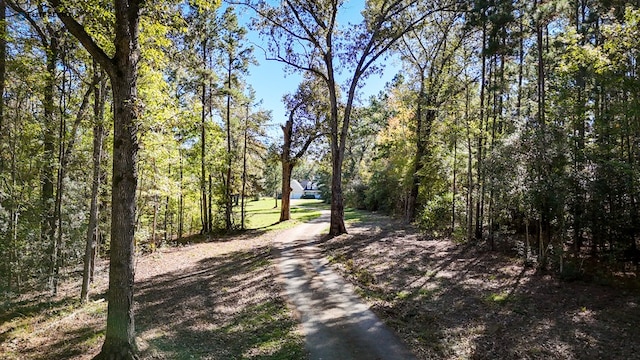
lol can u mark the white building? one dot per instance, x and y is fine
(296, 190)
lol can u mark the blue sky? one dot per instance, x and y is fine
(271, 82)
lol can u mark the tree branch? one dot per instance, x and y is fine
(306, 145)
(77, 30)
(43, 38)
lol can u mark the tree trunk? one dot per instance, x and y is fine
(543, 220)
(14, 265)
(496, 112)
(210, 205)
(3, 72)
(285, 203)
(165, 222)
(467, 117)
(479, 164)
(154, 223)
(579, 156)
(287, 167)
(520, 70)
(5, 248)
(48, 225)
(244, 169)
(92, 231)
(337, 226)
(412, 202)
(203, 132)
(65, 150)
(455, 177)
(181, 201)
(120, 336)
(166, 226)
(120, 342)
(228, 209)
(59, 190)
(13, 214)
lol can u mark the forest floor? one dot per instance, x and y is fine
(456, 301)
(223, 300)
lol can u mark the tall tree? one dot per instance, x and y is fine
(98, 140)
(3, 72)
(307, 112)
(67, 144)
(430, 52)
(4, 244)
(235, 58)
(306, 36)
(252, 150)
(50, 35)
(122, 69)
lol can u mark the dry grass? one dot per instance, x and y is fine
(213, 300)
(454, 301)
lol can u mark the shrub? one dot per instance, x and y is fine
(436, 214)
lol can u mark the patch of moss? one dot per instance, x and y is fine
(402, 295)
(500, 298)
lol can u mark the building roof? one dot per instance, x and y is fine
(296, 187)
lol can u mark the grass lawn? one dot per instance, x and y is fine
(263, 215)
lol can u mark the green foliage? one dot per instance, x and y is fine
(436, 214)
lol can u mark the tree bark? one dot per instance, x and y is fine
(469, 162)
(154, 223)
(338, 143)
(287, 167)
(455, 177)
(120, 336)
(544, 217)
(210, 207)
(337, 226)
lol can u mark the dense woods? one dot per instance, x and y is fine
(521, 119)
(513, 125)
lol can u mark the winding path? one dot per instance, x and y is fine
(336, 324)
